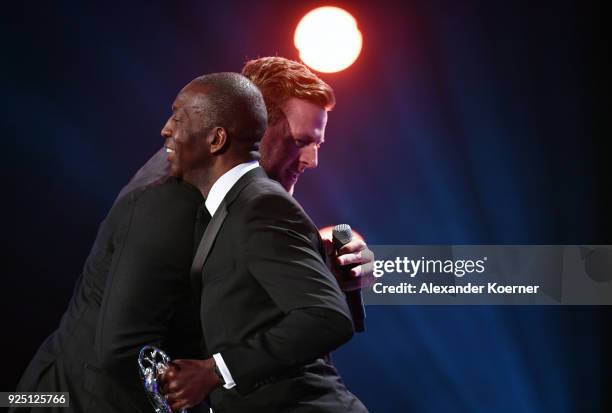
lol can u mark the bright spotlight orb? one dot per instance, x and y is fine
(328, 39)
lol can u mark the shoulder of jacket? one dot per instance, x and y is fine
(265, 191)
(168, 188)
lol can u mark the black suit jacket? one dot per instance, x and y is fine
(270, 305)
(134, 290)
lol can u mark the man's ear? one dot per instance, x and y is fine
(220, 140)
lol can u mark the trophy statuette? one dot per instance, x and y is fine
(154, 362)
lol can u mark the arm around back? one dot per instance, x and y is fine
(282, 254)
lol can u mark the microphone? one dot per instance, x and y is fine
(342, 235)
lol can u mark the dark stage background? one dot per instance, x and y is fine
(461, 122)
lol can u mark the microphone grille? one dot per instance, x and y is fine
(342, 233)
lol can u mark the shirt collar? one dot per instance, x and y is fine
(222, 185)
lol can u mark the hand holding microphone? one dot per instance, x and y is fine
(354, 269)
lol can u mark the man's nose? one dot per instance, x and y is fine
(309, 156)
(166, 132)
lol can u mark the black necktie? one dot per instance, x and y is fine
(202, 220)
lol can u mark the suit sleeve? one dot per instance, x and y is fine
(281, 255)
(155, 169)
(148, 276)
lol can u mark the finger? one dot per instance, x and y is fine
(168, 374)
(175, 396)
(367, 256)
(179, 405)
(355, 245)
(363, 270)
(181, 400)
(171, 398)
(349, 259)
(364, 257)
(361, 257)
(164, 383)
(172, 386)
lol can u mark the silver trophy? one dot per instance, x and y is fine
(153, 362)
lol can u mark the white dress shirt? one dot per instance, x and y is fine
(216, 194)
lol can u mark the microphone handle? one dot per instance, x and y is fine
(354, 300)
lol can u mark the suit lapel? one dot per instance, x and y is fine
(204, 248)
(213, 228)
